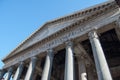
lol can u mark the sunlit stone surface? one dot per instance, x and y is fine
(82, 46)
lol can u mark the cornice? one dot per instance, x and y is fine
(71, 32)
(95, 10)
(82, 12)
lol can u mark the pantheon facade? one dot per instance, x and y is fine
(84, 45)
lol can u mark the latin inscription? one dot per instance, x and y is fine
(51, 44)
(61, 39)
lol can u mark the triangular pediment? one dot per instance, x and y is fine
(56, 25)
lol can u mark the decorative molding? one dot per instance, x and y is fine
(83, 13)
(60, 37)
(117, 28)
(50, 53)
(73, 31)
(93, 34)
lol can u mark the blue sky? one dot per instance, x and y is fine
(19, 18)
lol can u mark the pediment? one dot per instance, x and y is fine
(54, 26)
(44, 32)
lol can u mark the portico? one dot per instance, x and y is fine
(66, 48)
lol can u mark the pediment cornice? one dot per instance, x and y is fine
(81, 17)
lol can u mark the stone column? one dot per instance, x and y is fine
(34, 76)
(91, 74)
(18, 72)
(82, 69)
(69, 62)
(9, 73)
(31, 69)
(2, 72)
(48, 66)
(99, 57)
(117, 28)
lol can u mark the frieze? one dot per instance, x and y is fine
(49, 30)
(78, 31)
(74, 33)
(82, 13)
(51, 44)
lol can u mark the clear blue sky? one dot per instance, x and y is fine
(19, 18)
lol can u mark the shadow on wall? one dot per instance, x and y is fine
(118, 2)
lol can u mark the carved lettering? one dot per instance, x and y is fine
(51, 44)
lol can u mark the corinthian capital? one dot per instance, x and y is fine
(92, 34)
(69, 43)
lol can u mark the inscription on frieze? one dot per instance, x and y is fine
(47, 31)
(51, 44)
(77, 32)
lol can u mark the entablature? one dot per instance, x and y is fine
(75, 29)
(53, 26)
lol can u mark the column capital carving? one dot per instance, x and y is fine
(50, 52)
(99, 57)
(21, 63)
(10, 69)
(118, 22)
(93, 34)
(33, 58)
(69, 43)
(69, 61)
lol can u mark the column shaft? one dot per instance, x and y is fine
(8, 76)
(117, 28)
(18, 72)
(2, 72)
(34, 76)
(69, 62)
(48, 66)
(99, 57)
(82, 69)
(31, 69)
